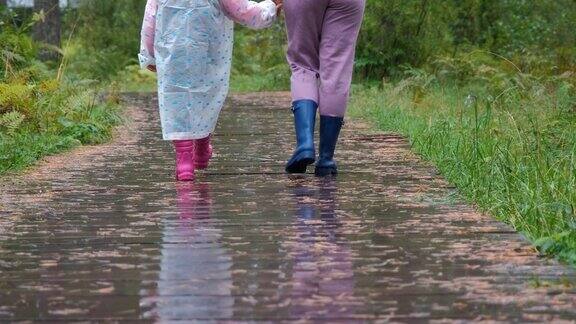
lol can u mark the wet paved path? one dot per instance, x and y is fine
(110, 236)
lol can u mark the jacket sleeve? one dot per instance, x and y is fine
(146, 55)
(255, 15)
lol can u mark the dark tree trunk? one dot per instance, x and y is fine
(47, 31)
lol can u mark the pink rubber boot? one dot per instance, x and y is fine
(184, 160)
(202, 153)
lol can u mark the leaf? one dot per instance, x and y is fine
(11, 121)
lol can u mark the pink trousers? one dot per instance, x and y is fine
(322, 36)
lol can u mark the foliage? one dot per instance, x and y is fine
(105, 37)
(399, 32)
(18, 50)
(259, 60)
(536, 35)
(42, 109)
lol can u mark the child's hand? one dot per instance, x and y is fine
(152, 68)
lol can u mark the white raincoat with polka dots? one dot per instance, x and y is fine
(190, 44)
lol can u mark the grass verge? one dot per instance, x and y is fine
(512, 154)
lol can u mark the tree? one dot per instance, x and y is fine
(3, 3)
(47, 30)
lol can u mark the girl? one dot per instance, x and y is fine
(189, 44)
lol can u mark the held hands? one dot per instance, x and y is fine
(152, 68)
(279, 5)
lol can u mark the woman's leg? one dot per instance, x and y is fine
(337, 50)
(340, 30)
(304, 19)
(304, 23)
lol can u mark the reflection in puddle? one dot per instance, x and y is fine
(195, 279)
(323, 278)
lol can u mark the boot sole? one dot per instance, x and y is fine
(300, 163)
(300, 166)
(185, 177)
(325, 172)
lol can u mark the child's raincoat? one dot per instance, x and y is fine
(190, 43)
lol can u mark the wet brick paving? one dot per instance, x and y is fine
(109, 235)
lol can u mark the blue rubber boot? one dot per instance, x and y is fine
(304, 122)
(329, 131)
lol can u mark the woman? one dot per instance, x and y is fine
(322, 36)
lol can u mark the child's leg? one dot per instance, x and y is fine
(340, 31)
(304, 24)
(184, 160)
(202, 152)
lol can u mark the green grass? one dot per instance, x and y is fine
(511, 152)
(41, 115)
(134, 79)
(52, 121)
(275, 80)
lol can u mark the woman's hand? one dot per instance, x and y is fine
(152, 68)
